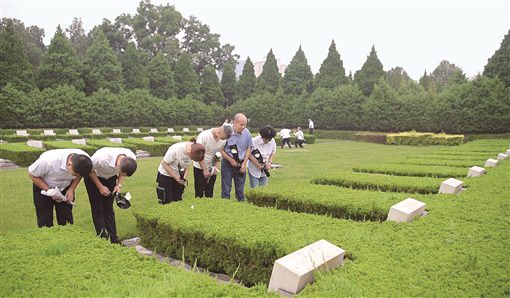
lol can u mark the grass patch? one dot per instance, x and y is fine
(413, 170)
(20, 153)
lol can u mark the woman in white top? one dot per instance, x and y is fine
(266, 145)
(174, 168)
(300, 137)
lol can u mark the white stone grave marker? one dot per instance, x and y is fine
(23, 133)
(35, 144)
(79, 142)
(491, 162)
(450, 186)
(96, 131)
(136, 130)
(502, 156)
(154, 130)
(74, 132)
(49, 132)
(116, 130)
(200, 129)
(148, 139)
(476, 171)
(116, 140)
(406, 211)
(507, 152)
(178, 138)
(186, 129)
(170, 129)
(294, 271)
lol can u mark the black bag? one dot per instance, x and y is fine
(160, 191)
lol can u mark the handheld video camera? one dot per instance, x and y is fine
(122, 200)
(181, 174)
(256, 153)
(235, 154)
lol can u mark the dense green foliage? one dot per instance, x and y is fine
(161, 77)
(413, 170)
(498, 64)
(228, 84)
(246, 85)
(210, 88)
(186, 80)
(269, 79)
(298, 78)
(369, 74)
(416, 138)
(332, 72)
(20, 153)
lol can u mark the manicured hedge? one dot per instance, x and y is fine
(107, 143)
(423, 138)
(335, 134)
(373, 137)
(19, 153)
(439, 156)
(67, 145)
(153, 148)
(413, 170)
(69, 262)
(438, 162)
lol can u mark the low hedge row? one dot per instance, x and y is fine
(107, 143)
(69, 262)
(17, 139)
(153, 148)
(49, 145)
(413, 170)
(336, 134)
(446, 163)
(373, 137)
(419, 138)
(359, 205)
(19, 153)
(84, 130)
(450, 157)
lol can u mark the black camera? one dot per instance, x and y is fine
(122, 200)
(256, 153)
(235, 154)
(181, 174)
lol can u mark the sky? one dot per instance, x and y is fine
(413, 34)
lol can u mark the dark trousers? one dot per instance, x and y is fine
(44, 209)
(227, 174)
(311, 131)
(201, 185)
(299, 143)
(103, 215)
(286, 141)
(173, 189)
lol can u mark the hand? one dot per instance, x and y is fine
(116, 188)
(104, 191)
(182, 182)
(70, 195)
(243, 169)
(268, 165)
(233, 163)
(260, 166)
(207, 174)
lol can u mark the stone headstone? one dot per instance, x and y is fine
(142, 154)
(154, 130)
(502, 156)
(186, 129)
(200, 129)
(178, 138)
(79, 142)
(35, 144)
(23, 133)
(74, 132)
(136, 130)
(170, 129)
(48, 132)
(491, 162)
(406, 211)
(450, 186)
(116, 130)
(294, 271)
(148, 139)
(116, 140)
(507, 152)
(476, 171)
(96, 131)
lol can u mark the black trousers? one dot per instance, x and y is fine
(103, 215)
(311, 131)
(173, 189)
(286, 141)
(44, 209)
(201, 185)
(299, 143)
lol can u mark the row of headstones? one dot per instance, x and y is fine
(50, 132)
(293, 272)
(39, 144)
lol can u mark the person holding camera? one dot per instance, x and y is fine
(300, 137)
(110, 167)
(205, 172)
(264, 149)
(235, 155)
(173, 170)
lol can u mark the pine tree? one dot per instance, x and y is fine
(499, 63)
(133, 68)
(161, 78)
(447, 74)
(59, 65)
(427, 83)
(228, 83)
(78, 38)
(369, 73)
(246, 85)
(332, 72)
(210, 86)
(298, 77)
(269, 79)
(186, 81)
(102, 69)
(14, 65)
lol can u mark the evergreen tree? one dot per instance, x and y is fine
(269, 79)
(31, 39)
(447, 74)
(382, 109)
(133, 68)
(78, 38)
(186, 81)
(499, 63)
(102, 69)
(210, 87)
(59, 65)
(427, 83)
(161, 78)
(228, 83)
(332, 72)
(247, 81)
(14, 65)
(298, 77)
(369, 74)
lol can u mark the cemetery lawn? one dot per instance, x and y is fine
(460, 249)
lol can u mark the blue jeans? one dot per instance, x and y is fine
(227, 174)
(254, 181)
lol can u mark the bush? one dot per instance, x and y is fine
(19, 153)
(49, 145)
(413, 170)
(373, 137)
(107, 143)
(153, 148)
(335, 134)
(414, 138)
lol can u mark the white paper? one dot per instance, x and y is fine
(56, 195)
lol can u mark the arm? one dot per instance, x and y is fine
(102, 189)
(171, 172)
(72, 188)
(269, 161)
(204, 169)
(119, 183)
(39, 182)
(232, 161)
(245, 161)
(255, 162)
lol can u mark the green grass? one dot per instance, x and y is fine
(413, 170)
(20, 153)
(436, 162)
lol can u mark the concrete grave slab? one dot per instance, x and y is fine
(116, 140)
(154, 130)
(170, 129)
(116, 130)
(136, 130)
(178, 138)
(476, 171)
(502, 156)
(406, 211)
(79, 142)
(74, 132)
(451, 186)
(186, 129)
(96, 132)
(35, 144)
(200, 129)
(49, 132)
(491, 162)
(148, 139)
(507, 152)
(23, 133)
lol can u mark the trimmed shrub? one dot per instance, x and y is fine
(373, 137)
(153, 148)
(335, 134)
(437, 162)
(107, 143)
(19, 153)
(413, 170)
(414, 138)
(68, 145)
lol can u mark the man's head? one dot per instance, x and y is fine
(299, 128)
(79, 165)
(240, 122)
(224, 132)
(197, 151)
(127, 166)
(267, 133)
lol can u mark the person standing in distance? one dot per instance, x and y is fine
(311, 126)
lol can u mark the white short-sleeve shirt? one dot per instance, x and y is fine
(310, 124)
(212, 146)
(299, 135)
(285, 133)
(175, 155)
(51, 167)
(105, 158)
(266, 150)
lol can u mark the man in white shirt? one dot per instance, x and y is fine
(60, 169)
(311, 126)
(110, 167)
(300, 137)
(206, 171)
(285, 134)
(266, 145)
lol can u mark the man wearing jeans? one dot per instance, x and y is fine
(232, 168)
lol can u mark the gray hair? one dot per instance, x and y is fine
(227, 130)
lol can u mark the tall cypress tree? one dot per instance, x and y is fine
(161, 78)
(247, 81)
(133, 68)
(59, 65)
(228, 83)
(186, 80)
(14, 65)
(210, 86)
(332, 71)
(102, 68)
(269, 79)
(298, 77)
(369, 73)
(499, 63)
